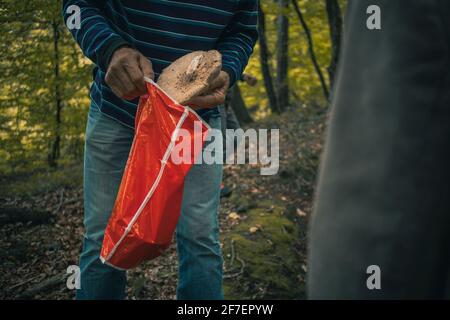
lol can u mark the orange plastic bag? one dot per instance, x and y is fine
(148, 203)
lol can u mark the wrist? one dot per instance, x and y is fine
(231, 76)
(111, 50)
(228, 75)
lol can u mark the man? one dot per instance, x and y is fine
(128, 40)
(381, 226)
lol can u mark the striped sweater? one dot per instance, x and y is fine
(162, 30)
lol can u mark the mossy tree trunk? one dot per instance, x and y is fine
(282, 55)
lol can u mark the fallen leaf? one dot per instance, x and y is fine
(234, 216)
(301, 213)
(253, 229)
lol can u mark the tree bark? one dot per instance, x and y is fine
(335, 24)
(282, 55)
(265, 67)
(311, 50)
(239, 108)
(56, 143)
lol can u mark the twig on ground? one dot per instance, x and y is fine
(23, 282)
(232, 252)
(43, 286)
(234, 256)
(61, 198)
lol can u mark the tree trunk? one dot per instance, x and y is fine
(335, 24)
(239, 108)
(264, 57)
(282, 55)
(56, 143)
(311, 50)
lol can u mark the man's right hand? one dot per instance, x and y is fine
(126, 71)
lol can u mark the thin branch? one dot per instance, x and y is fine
(311, 49)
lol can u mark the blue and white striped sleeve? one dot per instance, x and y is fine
(97, 39)
(237, 42)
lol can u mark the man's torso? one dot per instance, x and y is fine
(163, 31)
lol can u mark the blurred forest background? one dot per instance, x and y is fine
(44, 78)
(44, 84)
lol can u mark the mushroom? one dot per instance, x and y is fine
(190, 75)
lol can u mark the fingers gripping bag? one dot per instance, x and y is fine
(148, 203)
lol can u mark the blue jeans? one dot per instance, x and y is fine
(108, 143)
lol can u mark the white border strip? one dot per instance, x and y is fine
(153, 188)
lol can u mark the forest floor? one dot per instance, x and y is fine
(263, 226)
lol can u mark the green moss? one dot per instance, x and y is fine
(44, 180)
(240, 201)
(271, 266)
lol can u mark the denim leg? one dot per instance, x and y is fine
(108, 143)
(198, 245)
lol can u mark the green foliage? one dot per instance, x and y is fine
(29, 85)
(303, 81)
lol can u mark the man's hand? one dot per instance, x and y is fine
(215, 94)
(126, 71)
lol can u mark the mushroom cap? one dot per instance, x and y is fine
(190, 75)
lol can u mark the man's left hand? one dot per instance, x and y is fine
(215, 95)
